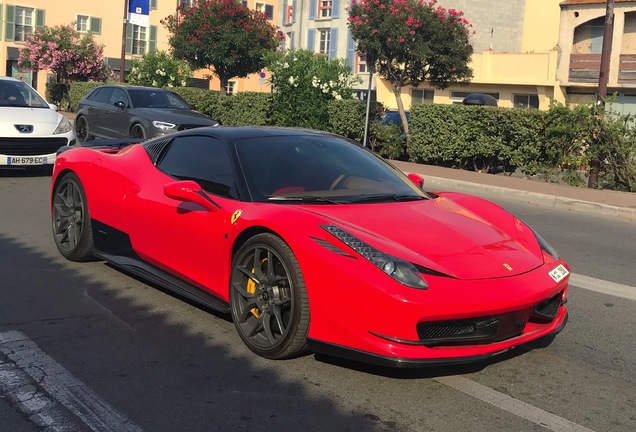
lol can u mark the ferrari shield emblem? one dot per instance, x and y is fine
(507, 266)
(237, 214)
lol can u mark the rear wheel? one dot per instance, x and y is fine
(71, 222)
(82, 130)
(137, 131)
(268, 299)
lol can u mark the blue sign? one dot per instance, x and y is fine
(138, 12)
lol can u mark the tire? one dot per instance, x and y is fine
(268, 298)
(82, 131)
(72, 229)
(137, 131)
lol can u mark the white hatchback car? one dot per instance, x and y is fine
(31, 129)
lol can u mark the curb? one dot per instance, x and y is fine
(439, 183)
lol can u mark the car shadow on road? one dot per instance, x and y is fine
(166, 365)
(40, 171)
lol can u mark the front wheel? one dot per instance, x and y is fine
(82, 131)
(137, 131)
(71, 222)
(268, 299)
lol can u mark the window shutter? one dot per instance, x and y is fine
(9, 29)
(129, 38)
(313, 5)
(153, 4)
(285, 12)
(311, 39)
(152, 43)
(351, 52)
(291, 41)
(333, 43)
(294, 11)
(39, 18)
(335, 9)
(1, 21)
(96, 25)
(269, 11)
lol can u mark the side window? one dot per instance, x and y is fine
(118, 95)
(102, 95)
(204, 160)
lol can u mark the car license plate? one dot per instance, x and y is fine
(559, 273)
(26, 160)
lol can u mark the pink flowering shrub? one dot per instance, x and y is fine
(412, 41)
(223, 36)
(72, 56)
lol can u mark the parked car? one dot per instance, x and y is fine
(113, 111)
(393, 117)
(31, 129)
(480, 99)
(311, 242)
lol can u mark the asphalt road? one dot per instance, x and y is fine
(161, 364)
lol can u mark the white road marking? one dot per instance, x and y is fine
(512, 405)
(30, 369)
(603, 286)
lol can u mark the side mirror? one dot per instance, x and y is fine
(417, 179)
(53, 107)
(120, 104)
(190, 191)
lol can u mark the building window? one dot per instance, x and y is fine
(324, 9)
(230, 88)
(85, 24)
(23, 23)
(323, 44)
(244, 3)
(266, 9)
(139, 40)
(153, 4)
(290, 38)
(361, 64)
(526, 101)
(422, 96)
(82, 23)
(290, 14)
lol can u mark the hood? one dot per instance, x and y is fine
(43, 120)
(444, 236)
(176, 116)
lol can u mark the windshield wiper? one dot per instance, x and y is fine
(387, 197)
(303, 199)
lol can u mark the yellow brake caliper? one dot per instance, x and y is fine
(251, 289)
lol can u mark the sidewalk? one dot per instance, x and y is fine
(606, 202)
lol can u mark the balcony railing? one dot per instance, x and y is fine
(627, 69)
(585, 67)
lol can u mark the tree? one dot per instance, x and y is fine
(72, 56)
(159, 69)
(304, 83)
(224, 36)
(411, 41)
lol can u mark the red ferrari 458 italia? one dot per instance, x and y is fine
(311, 242)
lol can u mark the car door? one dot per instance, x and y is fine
(185, 238)
(96, 106)
(117, 119)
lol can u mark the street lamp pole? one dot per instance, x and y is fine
(123, 43)
(606, 54)
(366, 119)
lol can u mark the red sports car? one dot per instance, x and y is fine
(311, 242)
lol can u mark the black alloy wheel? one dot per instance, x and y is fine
(268, 299)
(71, 222)
(82, 130)
(137, 131)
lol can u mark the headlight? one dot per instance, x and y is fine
(164, 126)
(63, 127)
(547, 247)
(400, 270)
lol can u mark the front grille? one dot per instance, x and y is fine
(487, 329)
(189, 126)
(31, 146)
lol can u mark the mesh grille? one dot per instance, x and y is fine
(445, 329)
(154, 148)
(31, 146)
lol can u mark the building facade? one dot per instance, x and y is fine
(103, 18)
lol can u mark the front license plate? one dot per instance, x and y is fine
(27, 160)
(559, 273)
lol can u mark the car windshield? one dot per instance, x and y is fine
(19, 94)
(320, 169)
(142, 98)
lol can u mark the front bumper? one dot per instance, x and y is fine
(33, 151)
